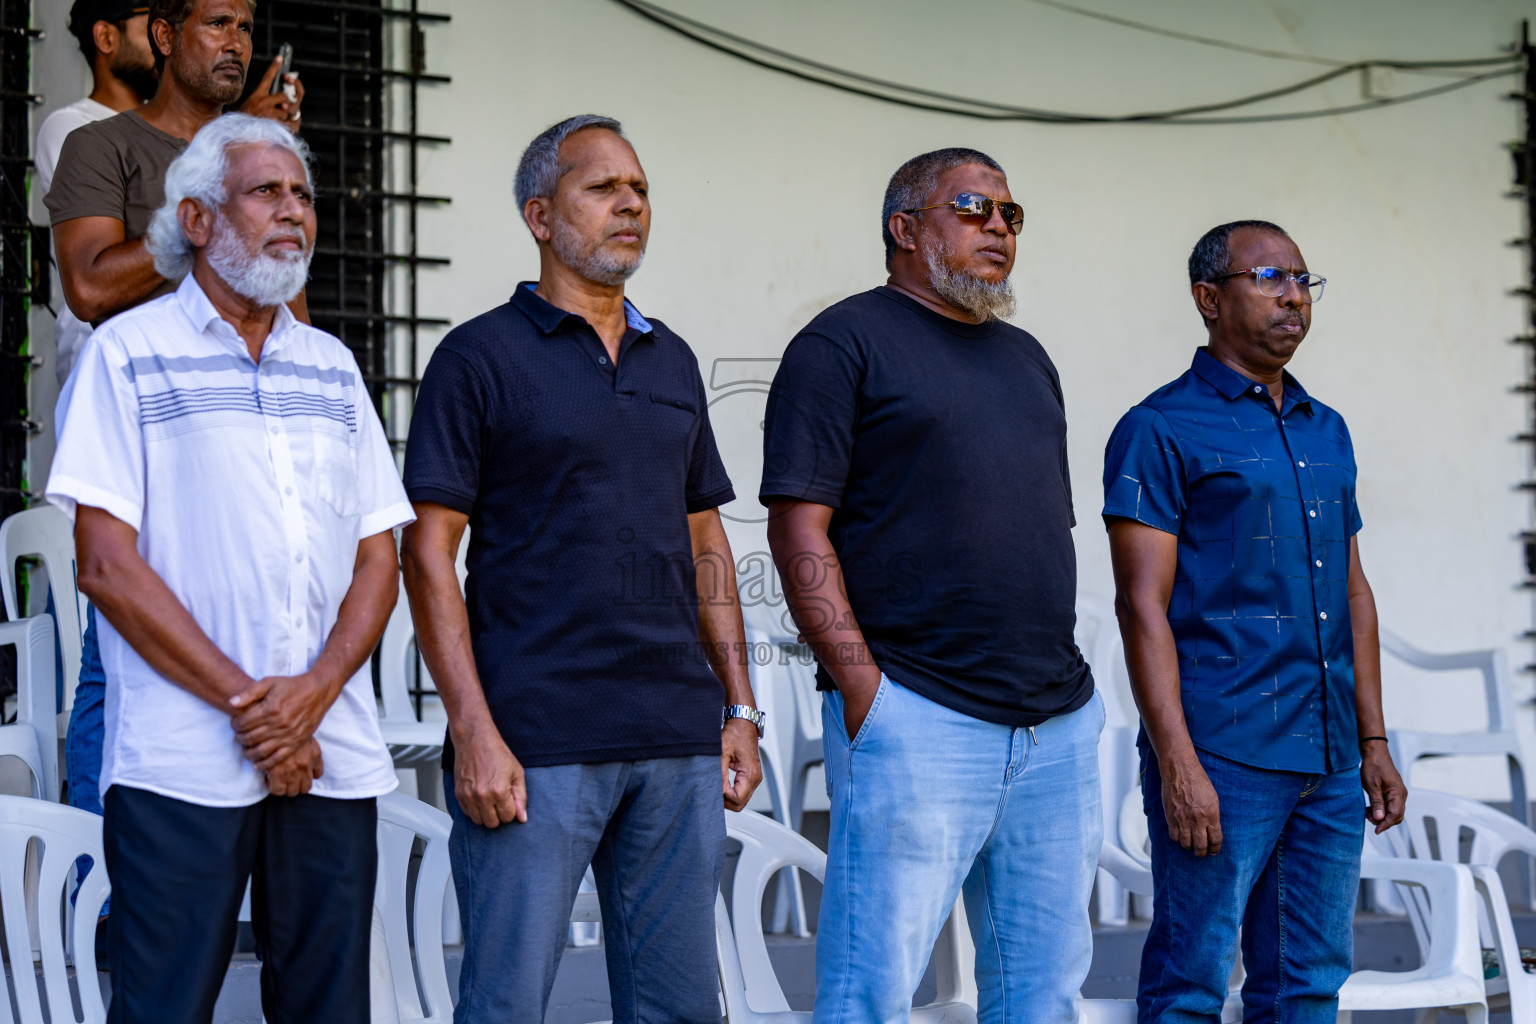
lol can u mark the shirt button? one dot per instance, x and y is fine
(1322, 615)
(1312, 512)
(287, 490)
(274, 431)
(298, 623)
(298, 558)
(602, 360)
(1319, 563)
(1303, 465)
(1258, 390)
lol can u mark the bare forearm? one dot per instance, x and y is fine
(1153, 662)
(721, 632)
(1362, 616)
(814, 590)
(442, 636)
(120, 276)
(144, 611)
(364, 611)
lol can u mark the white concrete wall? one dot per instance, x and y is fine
(767, 193)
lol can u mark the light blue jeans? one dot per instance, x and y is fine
(927, 803)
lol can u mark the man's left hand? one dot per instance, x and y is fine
(276, 105)
(1383, 785)
(738, 753)
(277, 715)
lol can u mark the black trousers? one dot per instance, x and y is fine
(178, 872)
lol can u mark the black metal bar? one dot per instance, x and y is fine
(382, 133)
(362, 195)
(388, 12)
(361, 316)
(385, 257)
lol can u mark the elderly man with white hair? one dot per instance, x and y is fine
(234, 500)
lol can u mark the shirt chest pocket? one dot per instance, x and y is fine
(335, 476)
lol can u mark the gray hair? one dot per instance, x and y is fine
(915, 180)
(1212, 255)
(540, 170)
(199, 173)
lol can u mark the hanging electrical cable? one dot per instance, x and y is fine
(1258, 51)
(806, 69)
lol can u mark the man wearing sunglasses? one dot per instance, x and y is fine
(920, 517)
(1250, 635)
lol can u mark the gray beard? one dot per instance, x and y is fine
(964, 290)
(265, 279)
(591, 263)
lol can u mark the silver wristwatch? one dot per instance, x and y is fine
(746, 711)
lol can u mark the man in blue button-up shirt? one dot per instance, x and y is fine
(1250, 634)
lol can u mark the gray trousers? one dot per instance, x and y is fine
(654, 833)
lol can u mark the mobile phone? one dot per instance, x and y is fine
(285, 54)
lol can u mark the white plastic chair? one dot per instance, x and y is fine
(777, 689)
(1493, 835)
(55, 835)
(1451, 976)
(1098, 636)
(751, 988)
(46, 533)
(421, 990)
(32, 737)
(1410, 745)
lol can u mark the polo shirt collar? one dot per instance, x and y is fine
(547, 317)
(1232, 384)
(199, 309)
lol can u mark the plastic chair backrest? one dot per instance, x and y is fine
(1105, 653)
(46, 533)
(1492, 665)
(33, 737)
(62, 834)
(1493, 834)
(768, 847)
(402, 820)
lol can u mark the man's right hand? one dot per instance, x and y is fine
(858, 687)
(488, 781)
(1191, 806)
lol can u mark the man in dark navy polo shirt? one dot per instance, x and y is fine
(915, 469)
(595, 679)
(1250, 634)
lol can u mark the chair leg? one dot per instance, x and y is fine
(1521, 811)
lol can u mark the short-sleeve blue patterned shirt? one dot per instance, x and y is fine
(1263, 505)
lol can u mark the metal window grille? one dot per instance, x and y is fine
(22, 280)
(362, 63)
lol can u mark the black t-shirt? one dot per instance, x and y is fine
(943, 447)
(578, 478)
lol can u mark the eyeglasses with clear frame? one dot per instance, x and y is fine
(974, 204)
(1273, 281)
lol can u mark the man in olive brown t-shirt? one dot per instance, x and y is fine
(110, 177)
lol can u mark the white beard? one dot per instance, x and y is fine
(964, 290)
(267, 279)
(593, 264)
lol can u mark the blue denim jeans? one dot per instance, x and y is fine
(654, 833)
(928, 803)
(82, 740)
(1287, 874)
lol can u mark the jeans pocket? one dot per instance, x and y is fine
(874, 709)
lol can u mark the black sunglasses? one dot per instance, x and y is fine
(974, 204)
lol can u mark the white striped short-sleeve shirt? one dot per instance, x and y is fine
(250, 486)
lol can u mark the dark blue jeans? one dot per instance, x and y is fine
(87, 722)
(654, 833)
(1287, 874)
